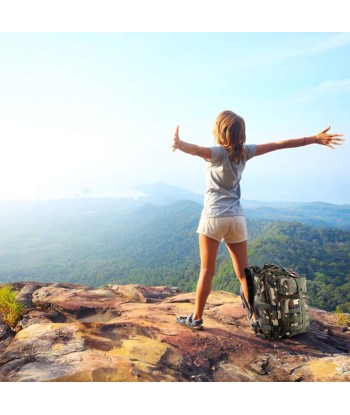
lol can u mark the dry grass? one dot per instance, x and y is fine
(11, 310)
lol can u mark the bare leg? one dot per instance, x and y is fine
(239, 257)
(208, 249)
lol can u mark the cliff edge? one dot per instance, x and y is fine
(128, 333)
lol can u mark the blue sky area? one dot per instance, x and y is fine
(94, 113)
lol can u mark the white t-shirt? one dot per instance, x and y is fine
(223, 192)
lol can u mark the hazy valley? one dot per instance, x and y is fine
(153, 241)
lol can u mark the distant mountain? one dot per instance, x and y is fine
(164, 194)
(19, 213)
(316, 213)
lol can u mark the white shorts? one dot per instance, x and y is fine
(230, 229)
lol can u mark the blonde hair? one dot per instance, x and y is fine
(229, 131)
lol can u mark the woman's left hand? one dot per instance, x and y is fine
(327, 139)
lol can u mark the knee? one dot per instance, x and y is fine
(207, 272)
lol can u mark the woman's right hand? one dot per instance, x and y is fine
(176, 143)
(329, 140)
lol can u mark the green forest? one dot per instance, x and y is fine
(110, 241)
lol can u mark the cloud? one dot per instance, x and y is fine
(336, 41)
(309, 48)
(299, 46)
(326, 88)
(332, 86)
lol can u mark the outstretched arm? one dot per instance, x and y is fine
(188, 148)
(329, 140)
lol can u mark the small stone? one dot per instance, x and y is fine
(5, 331)
(201, 362)
(265, 367)
(169, 333)
(135, 372)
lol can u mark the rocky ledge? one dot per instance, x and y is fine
(128, 334)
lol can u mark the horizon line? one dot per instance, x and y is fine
(135, 199)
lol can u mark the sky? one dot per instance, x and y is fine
(92, 114)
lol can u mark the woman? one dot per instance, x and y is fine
(222, 217)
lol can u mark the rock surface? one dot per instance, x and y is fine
(128, 334)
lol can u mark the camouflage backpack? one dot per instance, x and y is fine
(278, 298)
